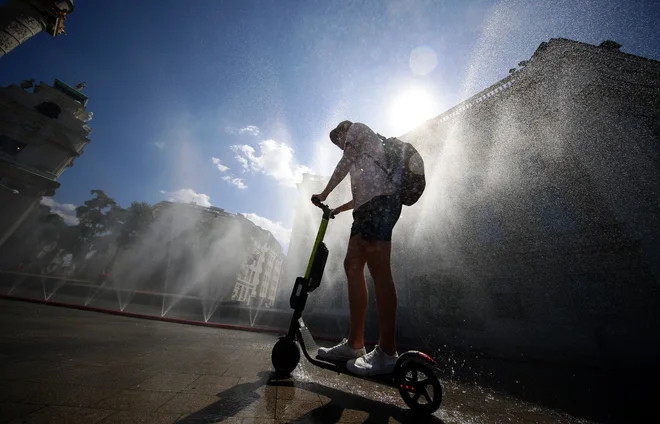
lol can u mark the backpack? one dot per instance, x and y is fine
(398, 154)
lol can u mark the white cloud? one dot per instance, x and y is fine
(281, 234)
(275, 160)
(238, 182)
(250, 129)
(159, 144)
(243, 162)
(221, 167)
(188, 195)
(66, 210)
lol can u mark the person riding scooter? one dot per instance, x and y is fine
(376, 210)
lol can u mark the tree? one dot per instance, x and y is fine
(134, 223)
(99, 216)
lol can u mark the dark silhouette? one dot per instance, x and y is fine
(241, 396)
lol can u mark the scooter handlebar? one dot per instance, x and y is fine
(327, 210)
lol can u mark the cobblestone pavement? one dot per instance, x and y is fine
(59, 365)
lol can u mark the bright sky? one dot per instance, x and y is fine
(229, 102)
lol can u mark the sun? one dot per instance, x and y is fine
(410, 108)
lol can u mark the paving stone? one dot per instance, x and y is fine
(60, 365)
(10, 410)
(69, 374)
(211, 384)
(261, 421)
(66, 395)
(136, 400)
(297, 392)
(258, 386)
(63, 414)
(206, 417)
(288, 409)
(118, 378)
(260, 408)
(211, 366)
(124, 417)
(475, 398)
(187, 403)
(16, 390)
(540, 417)
(247, 370)
(167, 382)
(28, 369)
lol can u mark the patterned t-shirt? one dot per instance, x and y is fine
(368, 180)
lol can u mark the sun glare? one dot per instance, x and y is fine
(409, 109)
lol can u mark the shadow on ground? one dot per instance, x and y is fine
(243, 396)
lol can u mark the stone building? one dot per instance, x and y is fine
(539, 231)
(221, 254)
(21, 20)
(259, 277)
(41, 133)
(544, 210)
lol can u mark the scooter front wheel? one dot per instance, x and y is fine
(285, 356)
(419, 387)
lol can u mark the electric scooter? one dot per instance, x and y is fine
(413, 373)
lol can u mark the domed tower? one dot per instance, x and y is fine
(23, 19)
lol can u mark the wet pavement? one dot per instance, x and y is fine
(59, 365)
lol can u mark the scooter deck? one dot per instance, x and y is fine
(310, 350)
(342, 369)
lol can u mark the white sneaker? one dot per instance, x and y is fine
(341, 352)
(374, 363)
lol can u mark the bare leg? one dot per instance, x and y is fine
(378, 255)
(357, 290)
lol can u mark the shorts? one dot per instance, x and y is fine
(375, 220)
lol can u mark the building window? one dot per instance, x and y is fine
(10, 146)
(49, 109)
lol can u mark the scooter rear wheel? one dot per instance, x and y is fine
(285, 356)
(414, 380)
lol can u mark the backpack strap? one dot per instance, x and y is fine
(379, 165)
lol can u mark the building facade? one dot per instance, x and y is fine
(41, 133)
(217, 253)
(539, 232)
(21, 20)
(259, 277)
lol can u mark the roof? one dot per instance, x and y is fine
(507, 82)
(70, 91)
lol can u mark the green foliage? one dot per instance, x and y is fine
(134, 223)
(99, 216)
